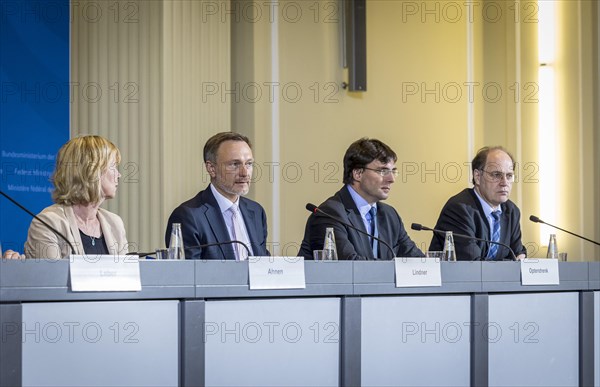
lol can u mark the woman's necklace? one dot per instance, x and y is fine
(94, 231)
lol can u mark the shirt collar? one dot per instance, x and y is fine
(487, 209)
(362, 205)
(222, 201)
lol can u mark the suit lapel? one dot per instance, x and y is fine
(214, 218)
(383, 227)
(109, 238)
(250, 222)
(355, 219)
(75, 236)
(504, 237)
(504, 230)
(485, 223)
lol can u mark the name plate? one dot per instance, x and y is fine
(411, 272)
(105, 273)
(539, 272)
(276, 273)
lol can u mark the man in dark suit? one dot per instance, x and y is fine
(369, 172)
(484, 211)
(220, 213)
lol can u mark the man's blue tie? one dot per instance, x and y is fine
(373, 229)
(495, 235)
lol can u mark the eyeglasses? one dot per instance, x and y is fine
(385, 172)
(497, 176)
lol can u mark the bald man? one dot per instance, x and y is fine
(484, 211)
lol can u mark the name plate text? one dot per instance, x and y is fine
(411, 272)
(276, 273)
(105, 273)
(539, 272)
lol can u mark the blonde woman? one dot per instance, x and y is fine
(86, 174)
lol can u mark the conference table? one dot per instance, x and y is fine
(197, 323)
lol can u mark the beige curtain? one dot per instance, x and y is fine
(138, 71)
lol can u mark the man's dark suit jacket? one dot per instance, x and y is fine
(351, 244)
(464, 214)
(202, 223)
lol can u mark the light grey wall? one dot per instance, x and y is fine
(520, 326)
(125, 343)
(285, 342)
(405, 338)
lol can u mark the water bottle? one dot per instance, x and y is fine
(329, 247)
(552, 248)
(176, 250)
(449, 253)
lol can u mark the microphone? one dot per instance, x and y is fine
(39, 219)
(314, 209)
(535, 219)
(199, 247)
(141, 255)
(419, 227)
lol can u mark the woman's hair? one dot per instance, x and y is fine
(79, 166)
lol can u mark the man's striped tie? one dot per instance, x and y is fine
(495, 235)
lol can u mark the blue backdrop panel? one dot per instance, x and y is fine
(34, 107)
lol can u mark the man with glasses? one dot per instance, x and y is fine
(369, 172)
(220, 213)
(484, 211)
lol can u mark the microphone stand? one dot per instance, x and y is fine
(39, 219)
(199, 247)
(535, 219)
(419, 227)
(314, 209)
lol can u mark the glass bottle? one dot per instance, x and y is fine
(449, 253)
(176, 249)
(552, 248)
(329, 247)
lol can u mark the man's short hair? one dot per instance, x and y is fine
(362, 152)
(212, 145)
(480, 158)
(79, 166)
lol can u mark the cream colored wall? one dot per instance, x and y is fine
(509, 65)
(510, 59)
(513, 121)
(196, 60)
(434, 139)
(595, 79)
(316, 128)
(116, 68)
(149, 62)
(178, 48)
(576, 106)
